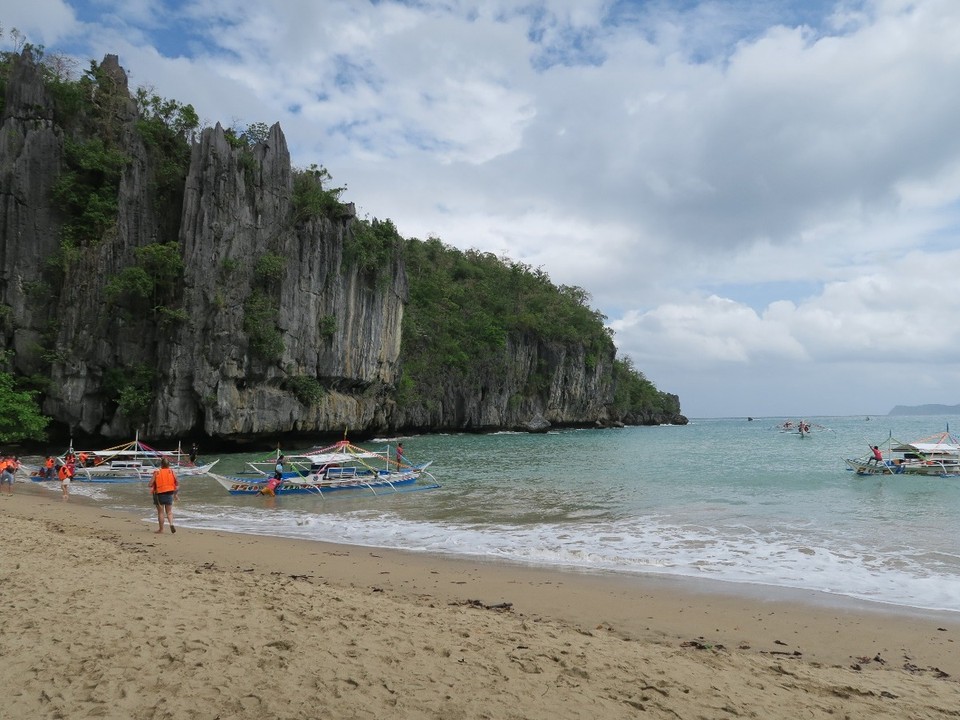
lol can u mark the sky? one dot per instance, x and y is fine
(762, 196)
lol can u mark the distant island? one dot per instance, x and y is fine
(925, 410)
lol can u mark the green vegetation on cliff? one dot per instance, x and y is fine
(635, 397)
(312, 196)
(20, 417)
(464, 306)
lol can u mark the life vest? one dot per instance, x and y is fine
(63, 473)
(271, 486)
(49, 463)
(164, 481)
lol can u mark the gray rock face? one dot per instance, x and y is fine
(30, 159)
(228, 223)
(340, 327)
(537, 383)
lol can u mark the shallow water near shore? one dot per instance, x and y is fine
(721, 499)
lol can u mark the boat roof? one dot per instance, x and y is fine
(942, 442)
(928, 448)
(342, 457)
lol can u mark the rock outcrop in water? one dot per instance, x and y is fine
(261, 324)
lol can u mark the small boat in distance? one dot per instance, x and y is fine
(341, 466)
(937, 455)
(802, 428)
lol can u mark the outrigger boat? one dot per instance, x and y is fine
(937, 455)
(341, 466)
(801, 428)
(130, 462)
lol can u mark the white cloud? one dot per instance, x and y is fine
(42, 22)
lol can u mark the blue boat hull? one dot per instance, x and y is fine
(378, 486)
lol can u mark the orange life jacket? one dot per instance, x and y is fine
(49, 463)
(164, 481)
(63, 473)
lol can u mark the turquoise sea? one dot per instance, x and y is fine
(725, 499)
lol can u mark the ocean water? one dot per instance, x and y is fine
(725, 499)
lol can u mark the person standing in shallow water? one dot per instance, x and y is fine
(164, 486)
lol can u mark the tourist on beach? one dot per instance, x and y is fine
(49, 468)
(164, 487)
(6, 474)
(66, 475)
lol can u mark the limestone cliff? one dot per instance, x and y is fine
(187, 349)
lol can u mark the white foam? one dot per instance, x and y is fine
(744, 556)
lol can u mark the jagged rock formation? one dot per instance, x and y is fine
(338, 326)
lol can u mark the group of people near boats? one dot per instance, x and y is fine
(337, 467)
(64, 470)
(164, 486)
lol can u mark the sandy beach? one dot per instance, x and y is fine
(101, 617)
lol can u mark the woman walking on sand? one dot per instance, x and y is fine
(164, 487)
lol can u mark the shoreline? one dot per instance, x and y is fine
(595, 598)
(113, 618)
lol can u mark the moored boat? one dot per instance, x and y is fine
(341, 466)
(937, 455)
(130, 462)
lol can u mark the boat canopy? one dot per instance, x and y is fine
(342, 457)
(928, 448)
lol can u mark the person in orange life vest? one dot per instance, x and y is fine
(8, 466)
(273, 483)
(164, 487)
(66, 475)
(48, 468)
(271, 487)
(877, 456)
